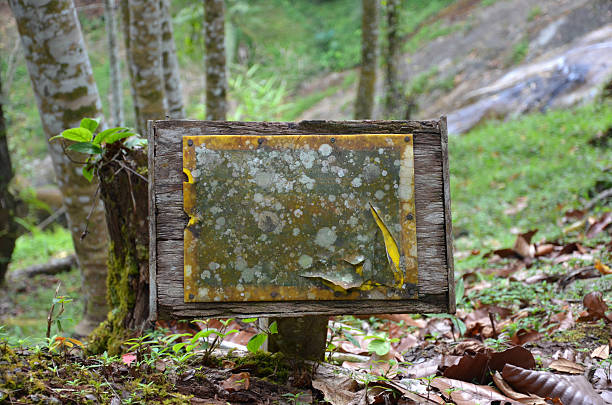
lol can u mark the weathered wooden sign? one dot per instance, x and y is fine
(284, 219)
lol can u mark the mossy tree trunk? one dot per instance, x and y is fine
(124, 190)
(172, 80)
(143, 28)
(216, 79)
(113, 60)
(364, 104)
(393, 86)
(8, 204)
(65, 92)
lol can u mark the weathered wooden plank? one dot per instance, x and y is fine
(447, 216)
(435, 268)
(152, 224)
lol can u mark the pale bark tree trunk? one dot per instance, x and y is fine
(393, 86)
(65, 91)
(144, 54)
(216, 79)
(115, 69)
(364, 105)
(8, 226)
(172, 79)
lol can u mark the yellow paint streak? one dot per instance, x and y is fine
(393, 253)
(189, 176)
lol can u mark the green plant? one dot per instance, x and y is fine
(519, 52)
(380, 343)
(84, 141)
(294, 398)
(534, 13)
(257, 340)
(258, 98)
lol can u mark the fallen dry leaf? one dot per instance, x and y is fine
(517, 396)
(602, 268)
(599, 225)
(465, 393)
(602, 352)
(547, 385)
(477, 367)
(566, 366)
(523, 336)
(523, 245)
(237, 382)
(596, 308)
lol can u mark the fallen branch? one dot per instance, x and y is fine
(601, 196)
(53, 266)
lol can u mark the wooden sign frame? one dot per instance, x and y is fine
(167, 219)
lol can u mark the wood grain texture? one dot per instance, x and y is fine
(434, 270)
(152, 224)
(447, 216)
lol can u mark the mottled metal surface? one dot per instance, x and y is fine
(295, 217)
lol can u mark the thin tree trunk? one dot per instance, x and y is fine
(144, 52)
(115, 69)
(172, 79)
(65, 92)
(364, 105)
(393, 86)
(216, 79)
(8, 226)
(125, 196)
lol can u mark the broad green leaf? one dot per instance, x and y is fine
(85, 147)
(459, 291)
(77, 135)
(101, 137)
(117, 136)
(256, 342)
(90, 124)
(88, 172)
(379, 346)
(351, 339)
(248, 320)
(273, 328)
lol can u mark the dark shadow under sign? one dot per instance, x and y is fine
(284, 219)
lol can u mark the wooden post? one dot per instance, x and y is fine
(301, 338)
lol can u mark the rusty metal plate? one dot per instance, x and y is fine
(287, 217)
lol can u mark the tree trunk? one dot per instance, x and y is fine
(172, 79)
(8, 226)
(216, 79)
(144, 53)
(301, 338)
(65, 92)
(393, 86)
(115, 69)
(364, 105)
(125, 195)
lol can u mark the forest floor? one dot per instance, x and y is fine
(533, 243)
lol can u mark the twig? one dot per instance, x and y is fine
(492, 319)
(53, 266)
(91, 210)
(50, 316)
(601, 196)
(51, 218)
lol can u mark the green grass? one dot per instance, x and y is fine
(428, 33)
(32, 305)
(40, 247)
(544, 157)
(33, 297)
(519, 52)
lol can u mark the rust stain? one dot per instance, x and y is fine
(288, 217)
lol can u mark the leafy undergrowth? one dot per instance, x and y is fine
(529, 301)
